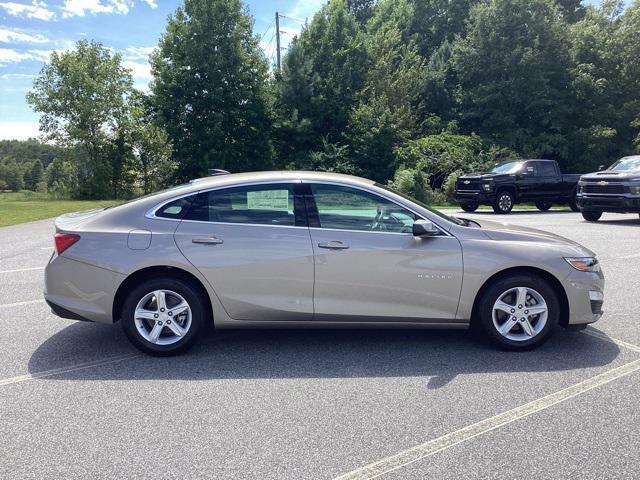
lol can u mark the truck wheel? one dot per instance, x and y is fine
(503, 202)
(573, 204)
(543, 206)
(591, 216)
(469, 207)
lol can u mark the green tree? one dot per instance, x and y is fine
(513, 72)
(322, 74)
(11, 175)
(210, 89)
(81, 97)
(385, 116)
(152, 160)
(34, 175)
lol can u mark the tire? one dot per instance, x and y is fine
(503, 202)
(591, 216)
(523, 335)
(469, 207)
(573, 204)
(141, 330)
(543, 206)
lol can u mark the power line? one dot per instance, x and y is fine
(293, 18)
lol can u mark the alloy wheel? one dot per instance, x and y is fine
(162, 317)
(505, 202)
(520, 313)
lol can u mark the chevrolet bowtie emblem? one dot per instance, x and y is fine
(602, 182)
(467, 182)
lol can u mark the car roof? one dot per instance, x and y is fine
(275, 176)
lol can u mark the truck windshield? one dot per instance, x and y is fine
(507, 167)
(626, 164)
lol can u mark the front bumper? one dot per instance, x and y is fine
(80, 291)
(609, 203)
(474, 197)
(585, 295)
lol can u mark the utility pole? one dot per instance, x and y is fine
(278, 40)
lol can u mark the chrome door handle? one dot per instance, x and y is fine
(208, 241)
(333, 245)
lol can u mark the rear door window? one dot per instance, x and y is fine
(546, 169)
(271, 204)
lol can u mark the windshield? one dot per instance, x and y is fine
(626, 164)
(455, 220)
(507, 167)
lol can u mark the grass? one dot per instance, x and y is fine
(20, 207)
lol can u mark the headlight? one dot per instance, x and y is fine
(486, 187)
(634, 189)
(584, 264)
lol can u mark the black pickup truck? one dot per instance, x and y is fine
(616, 189)
(517, 181)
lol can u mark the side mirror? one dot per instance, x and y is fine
(424, 228)
(602, 167)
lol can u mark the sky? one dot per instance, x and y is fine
(31, 29)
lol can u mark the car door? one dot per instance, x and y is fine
(550, 182)
(370, 267)
(528, 182)
(252, 244)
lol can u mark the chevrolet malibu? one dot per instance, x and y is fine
(301, 249)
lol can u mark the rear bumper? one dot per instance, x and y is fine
(80, 291)
(608, 203)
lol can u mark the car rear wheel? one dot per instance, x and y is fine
(469, 207)
(519, 312)
(543, 206)
(591, 216)
(503, 202)
(573, 204)
(163, 316)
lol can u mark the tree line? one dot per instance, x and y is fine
(410, 92)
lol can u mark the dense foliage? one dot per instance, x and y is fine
(411, 92)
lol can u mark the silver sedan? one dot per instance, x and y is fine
(302, 249)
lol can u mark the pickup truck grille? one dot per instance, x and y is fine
(471, 186)
(610, 189)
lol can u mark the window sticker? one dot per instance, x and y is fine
(268, 200)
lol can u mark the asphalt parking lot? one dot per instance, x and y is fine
(77, 401)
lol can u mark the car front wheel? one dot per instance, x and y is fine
(469, 207)
(591, 216)
(163, 316)
(518, 312)
(503, 202)
(543, 206)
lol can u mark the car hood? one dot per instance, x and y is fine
(506, 232)
(609, 175)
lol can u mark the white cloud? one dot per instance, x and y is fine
(36, 9)
(9, 76)
(80, 8)
(9, 55)
(138, 70)
(15, 36)
(151, 3)
(140, 53)
(305, 9)
(18, 130)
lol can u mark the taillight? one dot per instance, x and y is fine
(64, 241)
